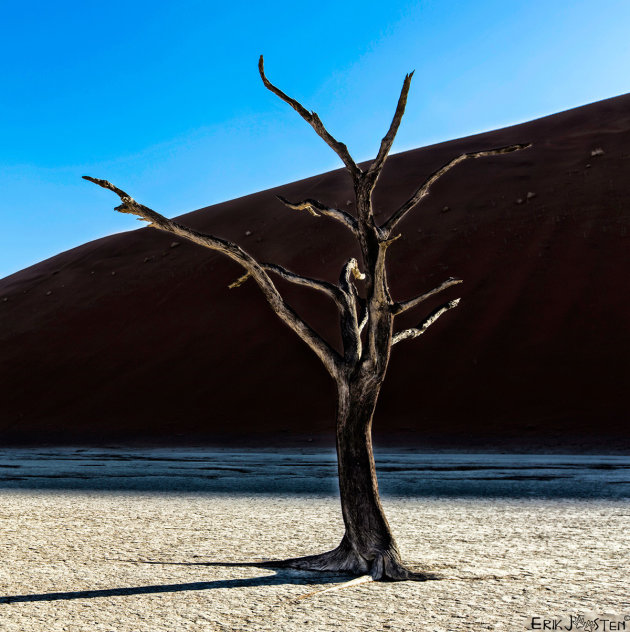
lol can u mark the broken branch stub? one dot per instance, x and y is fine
(316, 209)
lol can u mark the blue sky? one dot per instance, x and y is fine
(164, 98)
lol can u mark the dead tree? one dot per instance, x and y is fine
(367, 312)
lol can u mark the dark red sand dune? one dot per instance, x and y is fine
(136, 337)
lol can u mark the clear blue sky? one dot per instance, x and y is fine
(164, 98)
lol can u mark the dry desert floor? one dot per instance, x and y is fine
(137, 559)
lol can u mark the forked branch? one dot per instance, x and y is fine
(425, 324)
(314, 121)
(403, 306)
(316, 209)
(329, 357)
(423, 190)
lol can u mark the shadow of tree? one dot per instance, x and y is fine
(283, 576)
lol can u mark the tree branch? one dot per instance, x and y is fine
(316, 209)
(403, 306)
(423, 190)
(375, 168)
(378, 307)
(239, 281)
(329, 357)
(350, 269)
(315, 284)
(314, 121)
(350, 329)
(364, 320)
(329, 289)
(426, 323)
(381, 290)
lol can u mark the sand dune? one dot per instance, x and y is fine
(137, 337)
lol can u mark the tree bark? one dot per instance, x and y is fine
(368, 545)
(367, 529)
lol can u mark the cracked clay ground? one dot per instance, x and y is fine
(141, 560)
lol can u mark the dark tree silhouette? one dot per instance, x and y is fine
(367, 313)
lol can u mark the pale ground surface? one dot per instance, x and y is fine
(134, 561)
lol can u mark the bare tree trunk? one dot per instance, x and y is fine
(367, 529)
(368, 545)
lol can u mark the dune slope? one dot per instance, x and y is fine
(136, 336)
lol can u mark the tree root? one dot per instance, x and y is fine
(385, 566)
